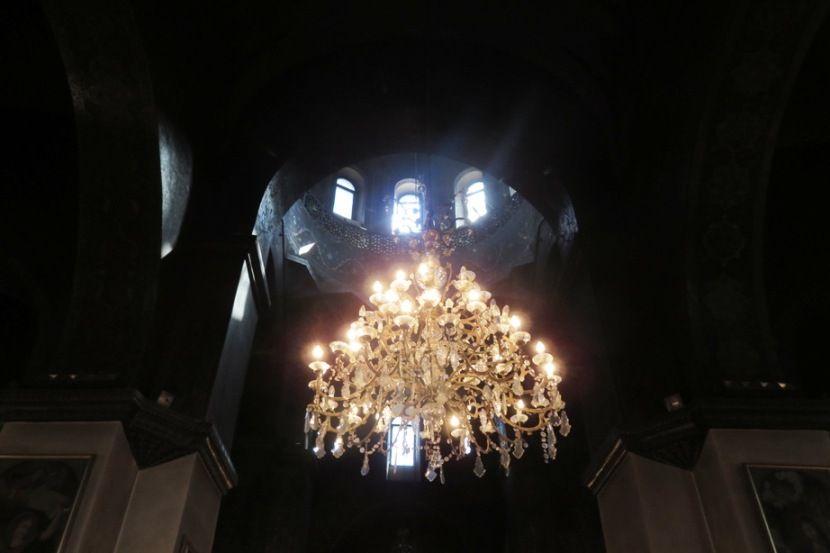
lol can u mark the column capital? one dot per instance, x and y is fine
(156, 434)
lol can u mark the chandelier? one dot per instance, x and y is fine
(438, 356)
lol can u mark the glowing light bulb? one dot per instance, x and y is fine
(431, 295)
(550, 369)
(377, 287)
(520, 404)
(454, 422)
(390, 296)
(423, 269)
(350, 334)
(355, 346)
(474, 295)
(406, 306)
(400, 275)
(515, 321)
(540, 347)
(317, 352)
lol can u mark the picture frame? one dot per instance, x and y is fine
(794, 502)
(39, 497)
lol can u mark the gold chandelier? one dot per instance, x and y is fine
(440, 357)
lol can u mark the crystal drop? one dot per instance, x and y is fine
(518, 448)
(307, 425)
(441, 475)
(565, 427)
(364, 470)
(505, 459)
(552, 451)
(321, 452)
(479, 469)
(430, 473)
(306, 440)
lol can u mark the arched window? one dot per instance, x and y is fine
(475, 199)
(403, 458)
(470, 197)
(407, 212)
(344, 192)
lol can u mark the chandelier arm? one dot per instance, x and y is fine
(528, 429)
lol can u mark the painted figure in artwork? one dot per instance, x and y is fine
(36, 498)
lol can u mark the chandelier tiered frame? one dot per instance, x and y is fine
(440, 356)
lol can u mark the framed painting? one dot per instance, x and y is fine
(795, 506)
(38, 498)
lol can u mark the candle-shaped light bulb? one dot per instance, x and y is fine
(317, 352)
(355, 346)
(515, 321)
(431, 296)
(474, 295)
(520, 404)
(454, 422)
(423, 269)
(377, 287)
(400, 275)
(406, 306)
(540, 347)
(550, 369)
(390, 296)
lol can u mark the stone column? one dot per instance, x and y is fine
(683, 485)
(148, 479)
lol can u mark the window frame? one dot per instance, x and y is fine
(403, 188)
(468, 195)
(465, 179)
(346, 186)
(396, 471)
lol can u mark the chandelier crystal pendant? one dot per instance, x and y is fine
(440, 356)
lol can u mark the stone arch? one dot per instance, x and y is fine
(536, 132)
(795, 232)
(119, 221)
(727, 301)
(38, 215)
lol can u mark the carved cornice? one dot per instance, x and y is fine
(677, 438)
(155, 434)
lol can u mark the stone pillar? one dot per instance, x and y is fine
(149, 479)
(726, 493)
(650, 507)
(105, 494)
(653, 507)
(172, 504)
